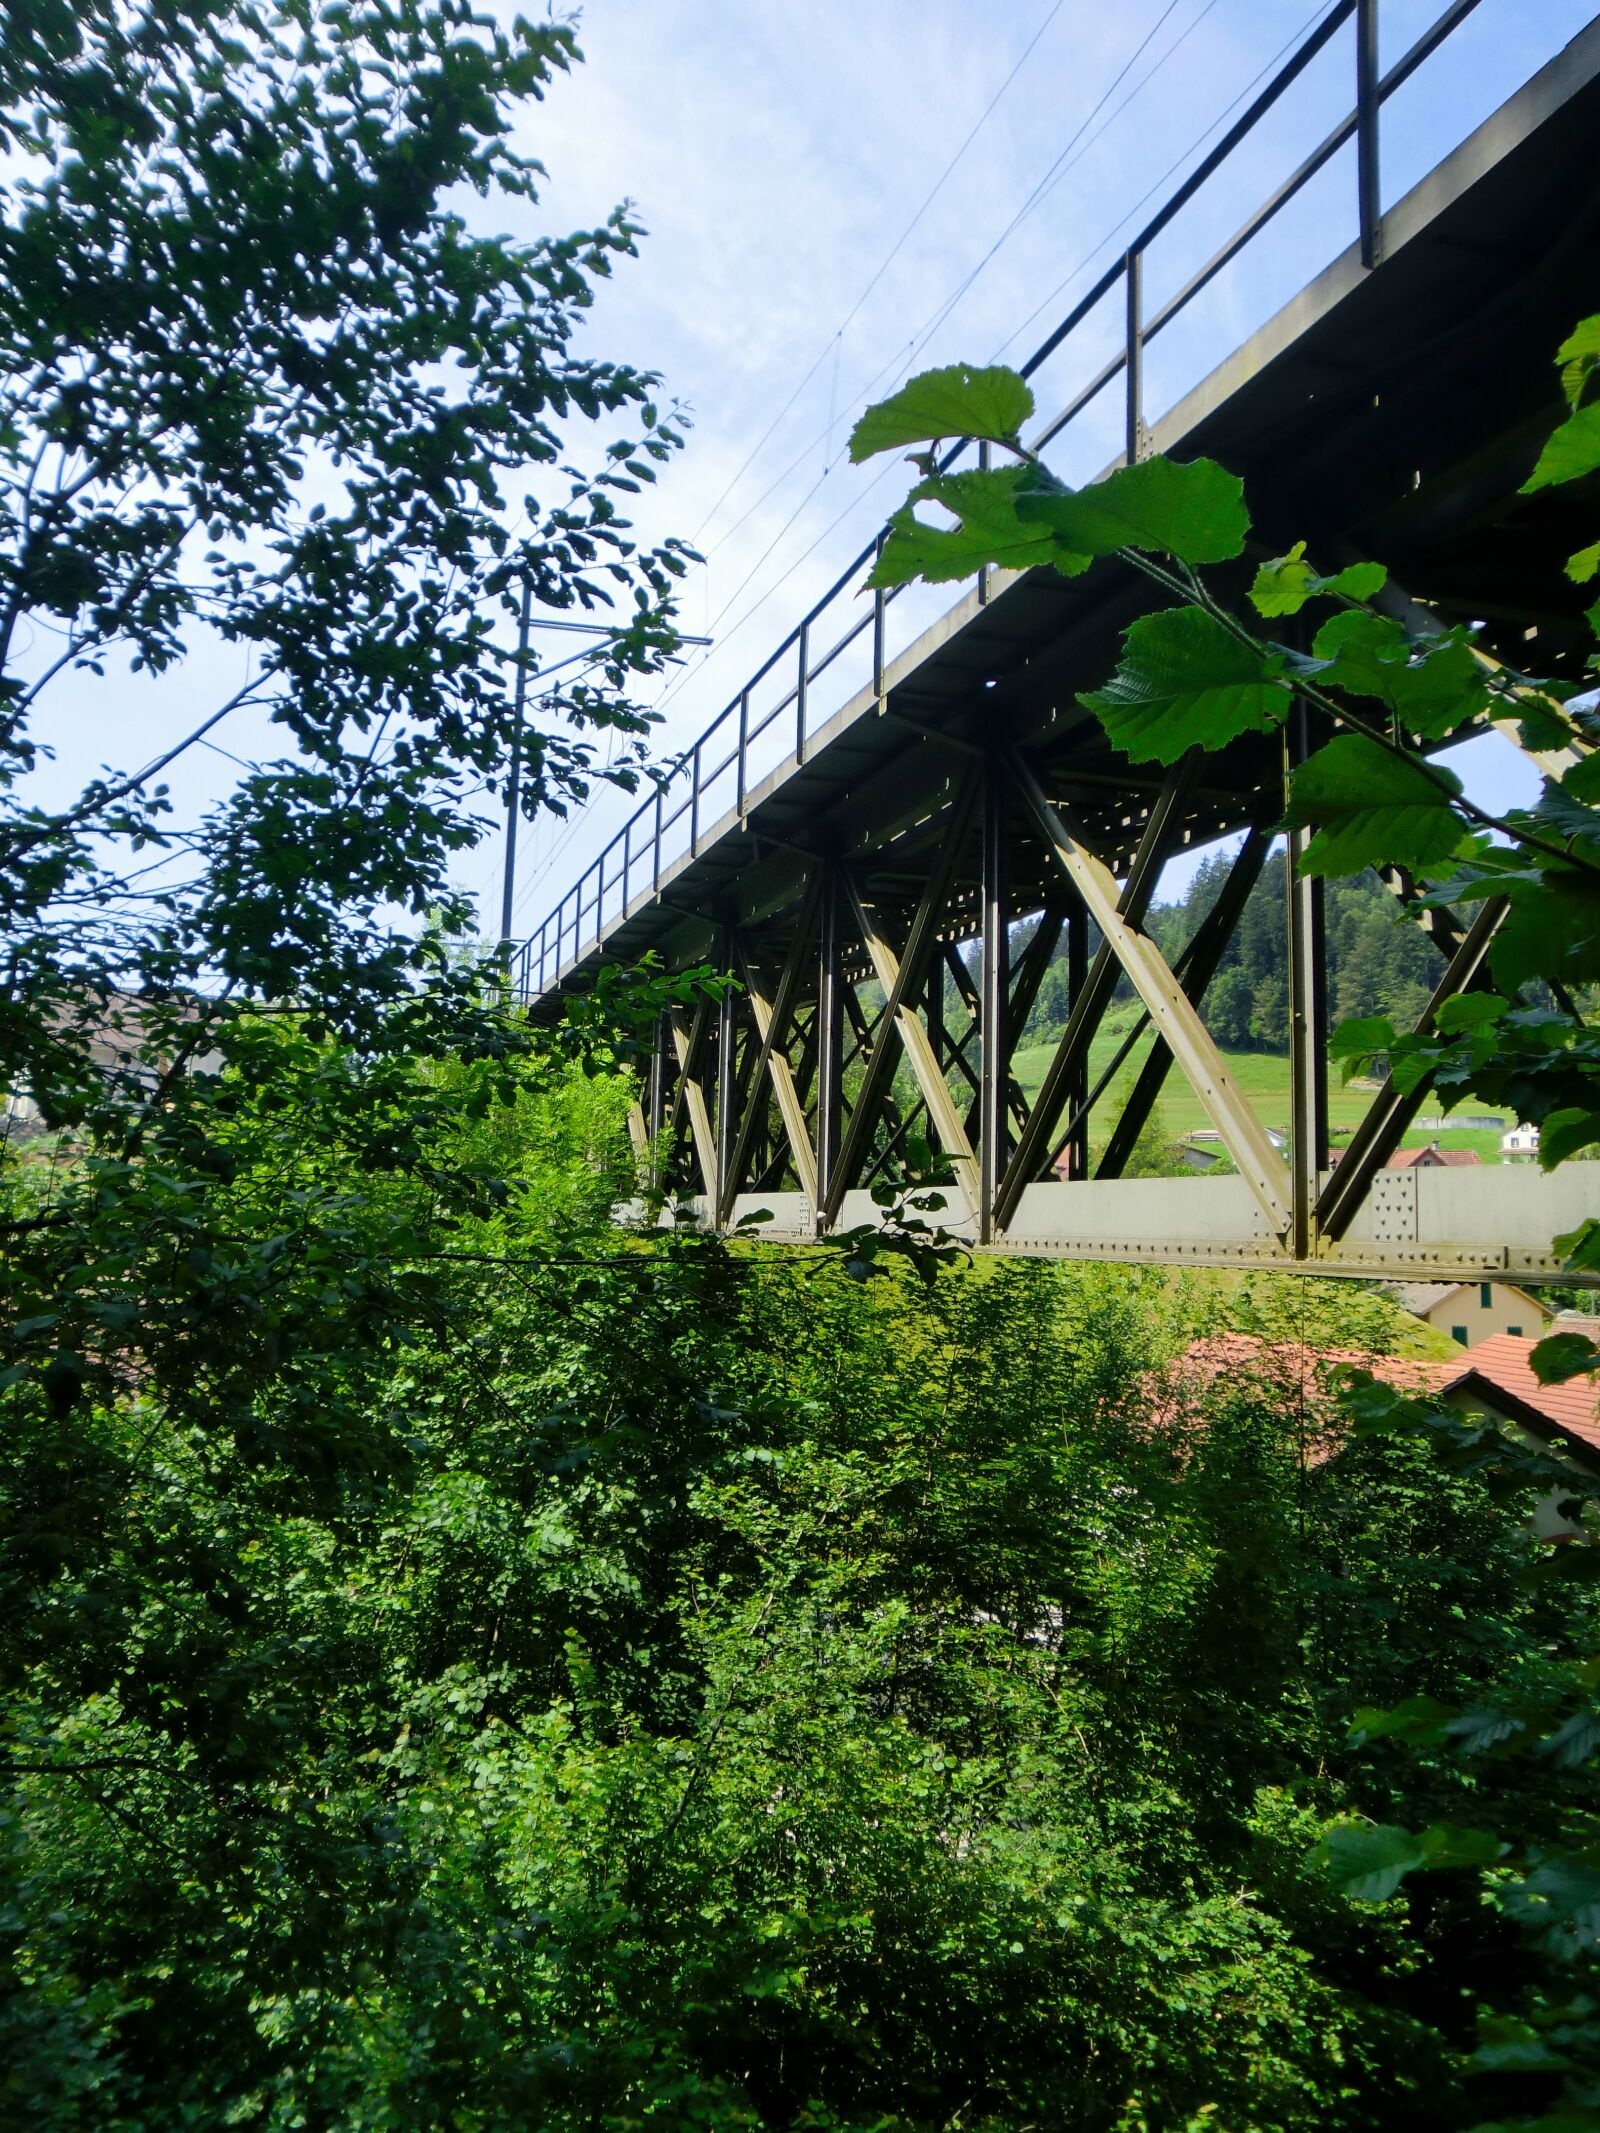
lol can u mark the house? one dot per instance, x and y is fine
(1496, 1379)
(1472, 1311)
(1433, 1157)
(1520, 1145)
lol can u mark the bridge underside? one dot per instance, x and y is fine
(869, 892)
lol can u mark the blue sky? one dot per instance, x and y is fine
(803, 254)
(780, 156)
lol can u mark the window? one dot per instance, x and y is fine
(1459, 1333)
(1514, 1329)
(1486, 1295)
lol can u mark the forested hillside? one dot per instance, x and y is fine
(1378, 963)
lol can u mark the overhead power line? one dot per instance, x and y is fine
(831, 345)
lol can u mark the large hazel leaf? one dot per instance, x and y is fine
(1432, 688)
(1283, 586)
(1367, 1861)
(1569, 452)
(1370, 808)
(1579, 357)
(987, 530)
(1186, 682)
(1194, 511)
(957, 401)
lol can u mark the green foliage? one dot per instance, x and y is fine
(987, 530)
(1372, 807)
(1194, 512)
(576, 1679)
(1188, 681)
(1285, 585)
(957, 401)
(270, 406)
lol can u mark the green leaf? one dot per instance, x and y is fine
(1185, 681)
(1194, 511)
(1560, 1356)
(1420, 1721)
(956, 401)
(1561, 1900)
(1570, 452)
(1574, 1741)
(1360, 1037)
(987, 530)
(1566, 1133)
(1371, 808)
(1444, 1844)
(1432, 687)
(1283, 586)
(1509, 2046)
(1367, 1861)
(1469, 1010)
(1582, 566)
(1578, 355)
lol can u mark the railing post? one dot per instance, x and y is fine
(744, 743)
(1133, 268)
(655, 879)
(878, 606)
(800, 693)
(1369, 200)
(694, 805)
(830, 1039)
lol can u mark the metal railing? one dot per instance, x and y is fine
(669, 826)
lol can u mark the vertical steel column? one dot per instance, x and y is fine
(1308, 1011)
(936, 1031)
(1077, 1150)
(744, 745)
(830, 1038)
(514, 781)
(1369, 199)
(1133, 268)
(726, 1082)
(658, 1080)
(994, 1007)
(655, 880)
(694, 805)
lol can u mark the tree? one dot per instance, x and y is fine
(269, 403)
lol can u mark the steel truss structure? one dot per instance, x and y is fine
(869, 887)
(863, 1023)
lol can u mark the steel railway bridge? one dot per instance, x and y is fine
(891, 787)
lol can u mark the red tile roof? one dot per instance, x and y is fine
(1497, 1372)
(1500, 1365)
(1427, 1158)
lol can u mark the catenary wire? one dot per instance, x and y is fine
(1058, 171)
(831, 346)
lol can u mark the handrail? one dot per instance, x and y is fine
(543, 959)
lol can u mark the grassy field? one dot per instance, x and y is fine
(1264, 1079)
